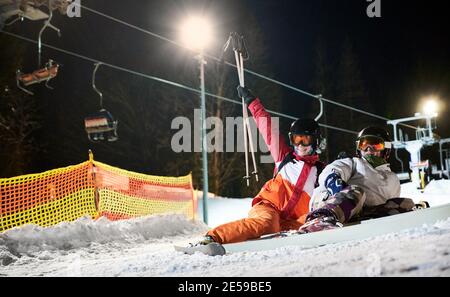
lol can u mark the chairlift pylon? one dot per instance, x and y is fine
(101, 126)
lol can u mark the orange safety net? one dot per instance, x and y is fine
(47, 198)
(123, 194)
(91, 189)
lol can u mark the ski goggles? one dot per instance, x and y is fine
(376, 143)
(305, 140)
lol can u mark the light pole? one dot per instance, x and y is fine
(204, 143)
(196, 35)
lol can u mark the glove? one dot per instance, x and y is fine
(247, 94)
(334, 184)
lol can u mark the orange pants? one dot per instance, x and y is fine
(262, 219)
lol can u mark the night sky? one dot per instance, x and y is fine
(402, 56)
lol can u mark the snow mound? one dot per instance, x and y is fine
(437, 192)
(85, 232)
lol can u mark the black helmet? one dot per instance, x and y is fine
(376, 132)
(306, 127)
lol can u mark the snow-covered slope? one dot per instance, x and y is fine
(437, 192)
(144, 247)
(223, 210)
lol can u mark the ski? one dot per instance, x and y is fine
(355, 231)
(362, 230)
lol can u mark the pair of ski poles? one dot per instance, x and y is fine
(241, 54)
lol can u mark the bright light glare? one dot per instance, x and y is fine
(196, 33)
(430, 106)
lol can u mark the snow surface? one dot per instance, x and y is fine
(144, 247)
(437, 192)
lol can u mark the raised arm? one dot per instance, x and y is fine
(274, 140)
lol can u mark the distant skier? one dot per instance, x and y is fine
(363, 186)
(283, 202)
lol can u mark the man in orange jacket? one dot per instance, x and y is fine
(282, 203)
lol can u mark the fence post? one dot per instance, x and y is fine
(1, 208)
(92, 170)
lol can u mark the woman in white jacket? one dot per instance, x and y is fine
(355, 187)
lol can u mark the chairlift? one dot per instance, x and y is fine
(100, 127)
(46, 73)
(19, 9)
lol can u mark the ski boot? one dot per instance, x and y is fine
(205, 241)
(320, 220)
(205, 246)
(421, 205)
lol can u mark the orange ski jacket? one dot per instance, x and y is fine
(291, 189)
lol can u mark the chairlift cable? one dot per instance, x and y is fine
(235, 66)
(161, 80)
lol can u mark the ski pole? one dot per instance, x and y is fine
(244, 121)
(240, 50)
(241, 54)
(247, 120)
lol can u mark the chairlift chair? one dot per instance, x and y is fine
(44, 74)
(20, 9)
(101, 127)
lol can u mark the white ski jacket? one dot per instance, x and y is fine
(380, 184)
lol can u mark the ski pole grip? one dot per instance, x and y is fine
(247, 94)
